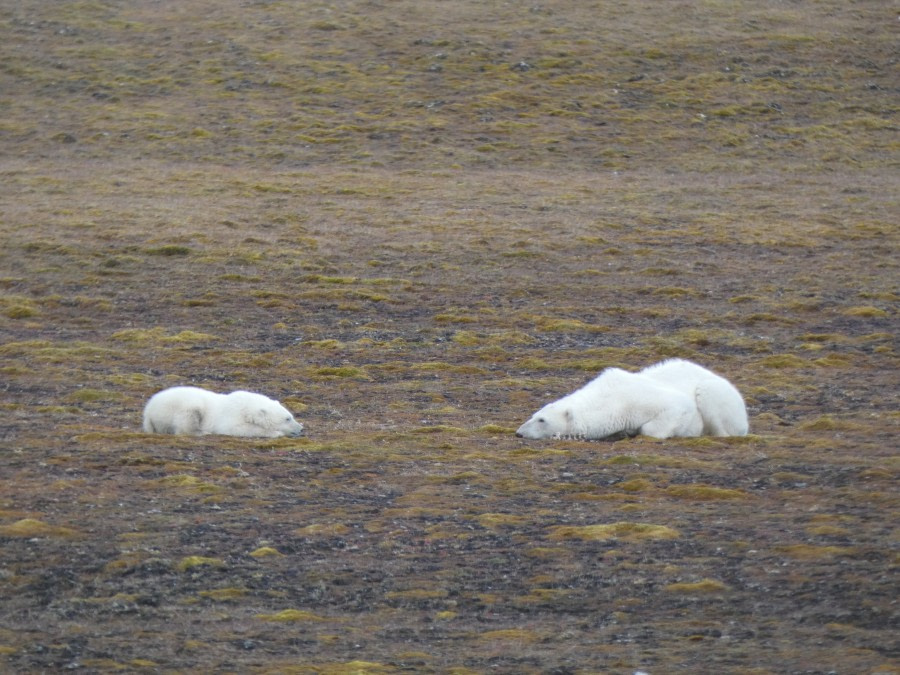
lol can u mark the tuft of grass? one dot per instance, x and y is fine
(466, 338)
(866, 311)
(192, 561)
(510, 635)
(188, 482)
(697, 587)
(335, 294)
(139, 334)
(290, 616)
(224, 594)
(443, 366)
(88, 395)
(828, 531)
(626, 531)
(189, 336)
(324, 344)
(569, 326)
(783, 361)
(496, 521)
(322, 279)
(348, 668)
(495, 429)
(417, 594)
(265, 552)
(675, 292)
(31, 527)
(454, 318)
(20, 311)
(834, 361)
(322, 529)
(341, 372)
(828, 423)
(546, 552)
(635, 485)
(542, 596)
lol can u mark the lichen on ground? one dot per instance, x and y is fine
(415, 223)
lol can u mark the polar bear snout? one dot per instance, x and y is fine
(294, 429)
(286, 424)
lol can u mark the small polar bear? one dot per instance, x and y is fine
(668, 399)
(195, 411)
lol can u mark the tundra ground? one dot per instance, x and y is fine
(414, 223)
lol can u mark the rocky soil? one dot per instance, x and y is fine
(415, 223)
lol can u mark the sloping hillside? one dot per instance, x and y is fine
(415, 223)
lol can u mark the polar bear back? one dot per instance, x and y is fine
(638, 404)
(720, 404)
(180, 410)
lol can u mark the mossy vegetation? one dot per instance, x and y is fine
(415, 224)
(192, 562)
(32, 527)
(626, 531)
(265, 552)
(290, 616)
(224, 594)
(703, 586)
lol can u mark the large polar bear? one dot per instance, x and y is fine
(667, 399)
(191, 410)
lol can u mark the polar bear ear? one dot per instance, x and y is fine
(258, 417)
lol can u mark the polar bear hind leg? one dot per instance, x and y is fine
(673, 423)
(676, 415)
(188, 421)
(722, 409)
(183, 421)
(178, 410)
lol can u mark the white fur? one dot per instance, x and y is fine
(195, 411)
(668, 399)
(720, 404)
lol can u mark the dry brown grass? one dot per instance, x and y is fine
(415, 222)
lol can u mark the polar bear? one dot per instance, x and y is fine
(669, 399)
(720, 404)
(195, 411)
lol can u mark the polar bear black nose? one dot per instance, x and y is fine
(518, 435)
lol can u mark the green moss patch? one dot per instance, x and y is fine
(31, 527)
(702, 587)
(291, 616)
(626, 531)
(191, 562)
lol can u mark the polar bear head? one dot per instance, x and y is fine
(265, 415)
(552, 421)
